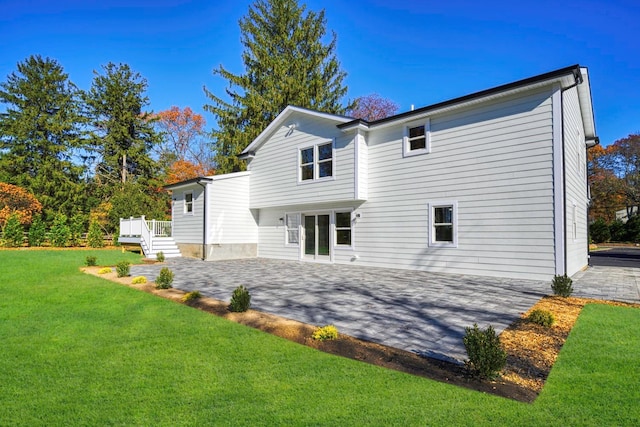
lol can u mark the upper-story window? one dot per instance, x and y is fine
(188, 203)
(316, 162)
(417, 139)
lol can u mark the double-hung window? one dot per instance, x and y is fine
(417, 138)
(343, 228)
(443, 224)
(188, 203)
(316, 162)
(292, 229)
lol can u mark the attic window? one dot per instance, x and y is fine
(417, 139)
(316, 162)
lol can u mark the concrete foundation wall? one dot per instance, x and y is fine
(220, 252)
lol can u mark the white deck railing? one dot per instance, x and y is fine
(134, 227)
(144, 231)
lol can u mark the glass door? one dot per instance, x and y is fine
(316, 237)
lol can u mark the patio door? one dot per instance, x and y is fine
(316, 237)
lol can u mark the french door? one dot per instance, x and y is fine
(316, 234)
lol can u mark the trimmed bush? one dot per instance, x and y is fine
(240, 300)
(138, 280)
(632, 228)
(541, 317)
(599, 231)
(90, 261)
(562, 285)
(160, 256)
(76, 228)
(191, 296)
(165, 279)
(328, 332)
(12, 232)
(104, 270)
(94, 236)
(486, 355)
(60, 232)
(37, 232)
(123, 268)
(618, 231)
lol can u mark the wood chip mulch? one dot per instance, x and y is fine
(533, 349)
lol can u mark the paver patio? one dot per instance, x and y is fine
(422, 312)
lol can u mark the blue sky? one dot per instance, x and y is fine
(413, 52)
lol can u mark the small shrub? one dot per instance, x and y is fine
(165, 279)
(486, 355)
(191, 296)
(562, 285)
(328, 332)
(12, 232)
(60, 232)
(160, 256)
(541, 317)
(37, 232)
(90, 261)
(138, 280)
(104, 270)
(123, 268)
(94, 236)
(240, 300)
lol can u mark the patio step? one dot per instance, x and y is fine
(166, 245)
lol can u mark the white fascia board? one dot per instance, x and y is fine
(564, 81)
(278, 121)
(586, 105)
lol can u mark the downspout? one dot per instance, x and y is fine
(204, 220)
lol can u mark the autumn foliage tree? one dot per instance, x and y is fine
(372, 107)
(606, 188)
(184, 149)
(16, 200)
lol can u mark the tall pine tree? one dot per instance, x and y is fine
(122, 135)
(39, 132)
(286, 63)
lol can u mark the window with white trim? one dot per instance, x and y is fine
(292, 229)
(316, 162)
(417, 139)
(343, 228)
(188, 203)
(443, 224)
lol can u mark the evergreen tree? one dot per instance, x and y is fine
(122, 135)
(286, 63)
(39, 132)
(37, 232)
(95, 236)
(13, 232)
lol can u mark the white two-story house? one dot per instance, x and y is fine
(493, 183)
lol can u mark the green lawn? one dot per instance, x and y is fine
(80, 350)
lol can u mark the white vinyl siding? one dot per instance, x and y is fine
(187, 228)
(575, 184)
(275, 169)
(230, 219)
(495, 160)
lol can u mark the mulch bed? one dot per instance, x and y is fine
(531, 349)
